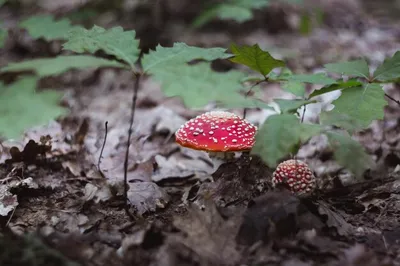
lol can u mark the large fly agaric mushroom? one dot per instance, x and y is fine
(296, 176)
(219, 133)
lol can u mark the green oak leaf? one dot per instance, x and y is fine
(44, 67)
(180, 53)
(198, 84)
(389, 70)
(46, 27)
(340, 120)
(236, 100)
(295, 87)
(318, 78)
(291, 106)
(363, 103)
(349, 153)
(356, 68)
(280, 135)
(255, 58)
(21, 107)
(337, 86)
(115, 41)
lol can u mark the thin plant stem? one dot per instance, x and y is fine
(249, 91)
(132, 118)
(102, 147)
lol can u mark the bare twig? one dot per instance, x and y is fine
(102, 147)
(11, 216)
(304, 113)
(393, 99)
(250, 90)
(133, 108)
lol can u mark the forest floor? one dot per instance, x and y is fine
(181, 213)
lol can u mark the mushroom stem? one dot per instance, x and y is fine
(218, 158)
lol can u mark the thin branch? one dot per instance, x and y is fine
(304, 113)
(250, 90)
(102, 147)
(393, 99)
(301, 121)
(11, 216)
(133, 109)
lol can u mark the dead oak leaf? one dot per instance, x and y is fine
(177, 168)
(335, 219)
(147, 196)
(209, 236)
(8, 201)
(97, 193)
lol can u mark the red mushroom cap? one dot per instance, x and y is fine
(297, 175)
(217, 131)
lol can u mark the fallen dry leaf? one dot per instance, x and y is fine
(208, 235)
(334, 219)
(147, 196)
(8, 201)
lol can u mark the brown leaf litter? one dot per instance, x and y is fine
(74, 213)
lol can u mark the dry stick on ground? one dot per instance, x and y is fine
(133, 108)
(102, 147)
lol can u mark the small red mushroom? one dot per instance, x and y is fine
(297, 177)
(219, 133)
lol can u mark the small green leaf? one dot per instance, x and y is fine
(44, 67)
(223, 12)
(115, 41)
(364, 103)
(291, 106)
(256, 4)
(22, 107)
(3, 37)
(305, 24)
(255, 58)
(234, 12)
(198, 84)
(389, 70)
(340, 120)
(337, 86)
(356, 68)
(237, 10)
(294, 87)
(236, 100)
(319, 78)
(180, 53)
(46, 27)
(349, 153)
(280, 135)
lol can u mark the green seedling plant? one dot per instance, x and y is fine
(239, 11)
(362, 97)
